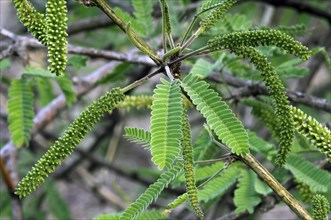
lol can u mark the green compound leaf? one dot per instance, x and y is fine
(152, 193)
(143, 13)
(221, 7)
(259, 37)
(56, 20)
(187, 153)
(245, 196)
(64, 146)
(304, 171)
(218, 114)
(318, 134)
(20, 111)
(45, 91)
(165, 129)
(321, 207)
(279, 98)
(139, 136)
(66, 87)
(218, 186)
(33, 20)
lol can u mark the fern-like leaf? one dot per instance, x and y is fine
(218, 114)
(143, 12)
(33, 20)
(245, 196)
(20, 111)
(64, 146)
(319, 135)
(66, 87)
(321, 207)
(278, 95)
(45, 91)
(56, 20)
(165, 129)
(139, 136)
(307, 173)
(259, 37)
(187, 152)
(152, 192)
(221, 183)
(305, 191)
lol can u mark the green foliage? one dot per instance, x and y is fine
(266, 114)
(289, 69)
(152, 193)
(66, 87)
(321, 207)
(307, 173)
(203, 172)
(187, 152)
(203, 147)
(165, 129)
(143, 13)
(245, 196)
(33, 20)
(56, 21)
(20, 111)
(146, 215)
(45, 91)
(260, 146)
(139, 136)
(221, 8)
(56, 203)
(217, 113)
(64, 146)
(218, 186)
(259, 37)
(319, 135)
(280, 100)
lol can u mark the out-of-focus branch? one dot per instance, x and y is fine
(91, 52)
(251, 88)
(300, 6)
(89, 24)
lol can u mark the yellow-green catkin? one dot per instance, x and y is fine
(33, 20)
(318, 134)
(64, 146)
(56, 20)
(277, 92)
(321, 207)
(187, 152)
(259, 37)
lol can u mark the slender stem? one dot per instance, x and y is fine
(221, 158)
(189, 29)
(6, 176)
(264, 174)
(110, 13)
(142, 80)
(196, 52)
(171, 41)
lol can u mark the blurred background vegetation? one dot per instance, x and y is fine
(106, 172)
